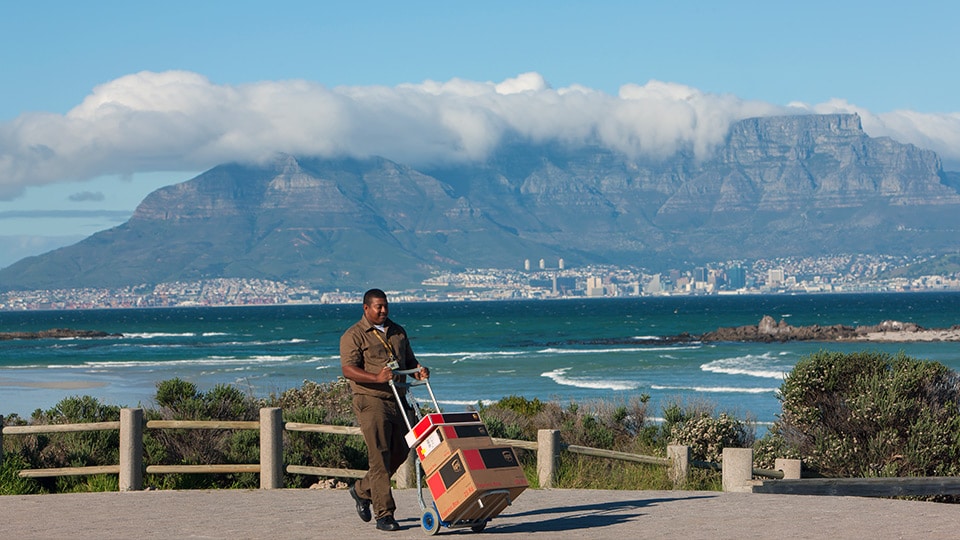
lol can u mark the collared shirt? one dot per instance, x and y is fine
(360, 347)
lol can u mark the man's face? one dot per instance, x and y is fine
(376, 310)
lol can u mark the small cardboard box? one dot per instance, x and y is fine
(429, 422)
(470, 475)
(447, 439)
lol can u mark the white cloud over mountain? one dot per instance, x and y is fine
(178, 120)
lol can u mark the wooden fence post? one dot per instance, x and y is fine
(271, 448)
(406, 474)
(679, 456)
(738, 469)
(1, 440)
(548, 450)
(131, 449)
(791, 468)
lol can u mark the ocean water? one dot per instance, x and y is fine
(565, 350)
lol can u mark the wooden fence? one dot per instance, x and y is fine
(737, 466)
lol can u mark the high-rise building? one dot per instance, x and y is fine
(736, 277)
(594, 286)
(775, 276)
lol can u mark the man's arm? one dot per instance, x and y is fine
(358, 375)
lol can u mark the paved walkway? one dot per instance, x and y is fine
(547, 514)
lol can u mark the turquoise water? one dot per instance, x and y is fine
(479, 351)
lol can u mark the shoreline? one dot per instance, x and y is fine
(768, 330)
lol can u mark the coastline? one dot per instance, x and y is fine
(768, 330)
(902, 336)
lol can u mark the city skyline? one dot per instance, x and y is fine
(832, 274)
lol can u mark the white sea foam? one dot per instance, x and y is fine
(465, 403)
(201, 362)
(473, 353)
(553, 350)
(763, 366)
(559, 376)
(466, 356)
(714, 389)
(151, 335)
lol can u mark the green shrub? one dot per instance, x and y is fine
(521, 405)
(181, 400)
(708, 435)
(696, 424)
(872, 414)
(10, 481)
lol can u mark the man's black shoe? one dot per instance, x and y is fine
(388, 524)
(363, 505)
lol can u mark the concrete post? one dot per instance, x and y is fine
(405, 477)
(271, 448)
(548, 450)
(738, 469)
(790, 467)
(131, 449)
(679, 456)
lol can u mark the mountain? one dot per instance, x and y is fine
(778, 186)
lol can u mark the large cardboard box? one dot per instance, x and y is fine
(472, 474)
(429, 422)
(436, 447)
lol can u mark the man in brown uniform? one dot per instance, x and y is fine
(368, 349)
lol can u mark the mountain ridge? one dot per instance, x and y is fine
(776, 186)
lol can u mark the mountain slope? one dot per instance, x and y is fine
(799, 185)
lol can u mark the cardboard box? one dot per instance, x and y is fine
(436, 447)
(429, 422)
(469, 476)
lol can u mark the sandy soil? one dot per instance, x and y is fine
(940, 334)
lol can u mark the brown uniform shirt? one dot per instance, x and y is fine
(360, 347)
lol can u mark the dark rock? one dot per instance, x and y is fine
(56, 333)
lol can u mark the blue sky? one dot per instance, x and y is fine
(103, 102)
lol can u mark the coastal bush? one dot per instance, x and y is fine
(181, 400)
(10, 481)
(871, 414)
(620, 426)
(332, 402)
(319, 403)
(707, 433)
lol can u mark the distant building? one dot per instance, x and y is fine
(654, 286)
(775, 277)
(736, 277)
(594, 286)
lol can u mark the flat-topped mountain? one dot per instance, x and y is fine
(781, 186)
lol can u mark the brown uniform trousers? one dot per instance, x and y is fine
(383, 430)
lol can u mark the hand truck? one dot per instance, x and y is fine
(489, 503)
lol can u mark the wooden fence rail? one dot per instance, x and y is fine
(737, 468)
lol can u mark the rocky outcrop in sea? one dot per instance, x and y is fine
(57, 333)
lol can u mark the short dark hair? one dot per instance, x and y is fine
(371, 294)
